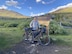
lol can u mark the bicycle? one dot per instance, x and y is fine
(42, 38)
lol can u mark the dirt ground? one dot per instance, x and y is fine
(26, 48)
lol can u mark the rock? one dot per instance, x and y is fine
(13, 52)
(56, 50)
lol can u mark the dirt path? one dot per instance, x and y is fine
(25, 48)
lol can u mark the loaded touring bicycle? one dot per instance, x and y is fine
(42, 37)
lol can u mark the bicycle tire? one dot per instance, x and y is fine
(29, 35)
(44, 40)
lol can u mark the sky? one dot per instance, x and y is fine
(34, 7)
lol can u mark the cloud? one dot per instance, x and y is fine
(13, 3)
(32, 14)
(3, 7)
(18, 7)
(51, 1)
(60, 7)
(38, 1)
(43, 2)
(23, 2)
(30, 7)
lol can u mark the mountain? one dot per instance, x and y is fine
(64, 10)
(11, 14)
(63, 14)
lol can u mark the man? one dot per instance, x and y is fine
(34, 26)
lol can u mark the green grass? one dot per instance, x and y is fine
(63, 39)
(9, 37)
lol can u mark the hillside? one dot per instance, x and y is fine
(64, 10)
(63, 16)
(63, 13)
(11, 14)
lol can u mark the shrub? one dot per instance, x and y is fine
(68, 24)
(23, 25)
(11, 25)
(2, 23)
(55, 28)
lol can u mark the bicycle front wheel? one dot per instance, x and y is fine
(44, 39)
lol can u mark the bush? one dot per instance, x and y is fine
(23, 25)
(68, 24)
(55, 28)
(2, 23)
(11, 25)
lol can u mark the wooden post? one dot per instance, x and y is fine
(47, 30)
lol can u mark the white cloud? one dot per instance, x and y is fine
(60, 7)
(30, 7)
(3, 7)
(43, 2)
(51, 1)
(13, 3)
(38, 1)
(18, 7)
(32, 14)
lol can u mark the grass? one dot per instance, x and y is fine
(9, 37)
(13, 14)
(65, 10)
(63, 39)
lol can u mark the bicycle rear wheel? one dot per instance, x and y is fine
(44, 40)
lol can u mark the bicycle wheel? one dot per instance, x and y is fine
(28, 36)
(44, 40)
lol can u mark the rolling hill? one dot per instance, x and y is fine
(63, 16)
(64, 10)
(63, 13)
(11, 14)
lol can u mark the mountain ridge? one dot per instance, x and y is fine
(64, 10)
(10, 13)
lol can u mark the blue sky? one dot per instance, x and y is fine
(34, 7)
